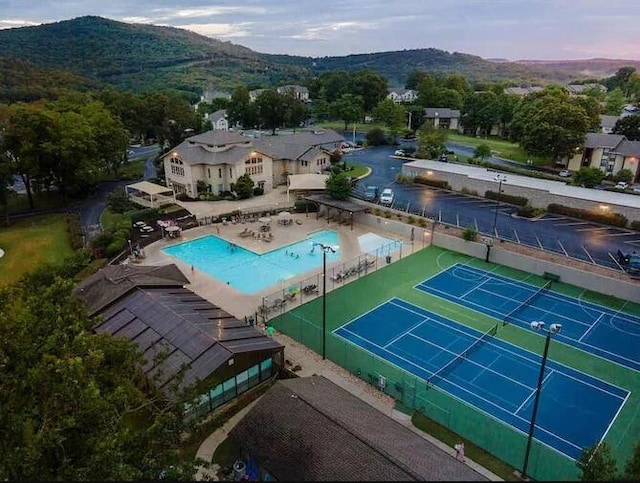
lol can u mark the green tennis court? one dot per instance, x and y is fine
(398, 280)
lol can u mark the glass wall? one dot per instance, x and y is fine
(230, 389)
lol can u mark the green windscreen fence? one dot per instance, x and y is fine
(494, 436)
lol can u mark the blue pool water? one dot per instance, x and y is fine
(250, 272)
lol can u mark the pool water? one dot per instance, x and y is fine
(249, 272)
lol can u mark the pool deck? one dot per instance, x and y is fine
(235, 302)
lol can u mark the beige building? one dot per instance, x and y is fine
(218, 158)
(610, 153)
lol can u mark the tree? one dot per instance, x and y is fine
(338, 186)
(296, 111)
(241, 110)
(550, 123)
(597, 463)
(392, 115)
(73, 403)
(632, 467)
(349, 108)
(624, 175)
(480, 112)
(482, 151)
(271, 108)
(370, 86)
(430, 142)
(588, 177)
(243, 186)
(629, 127)
(615, 102)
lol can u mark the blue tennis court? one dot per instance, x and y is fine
(607, 333)
(497, 378)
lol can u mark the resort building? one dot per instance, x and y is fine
(218, 158)
(187, 342)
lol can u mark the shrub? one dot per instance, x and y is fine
(145, 214)
(438, 183)
(302, 206)
(404, 178)
(613, 219)
(529, 211)
(258, 191)
(470, 233)
(411, 220)
(115, 247)
(514, 200)
(422, 222)
(74, 231)
(376, 137)
(184, 197)
(387, 214)
(635, 225)
(467, 191)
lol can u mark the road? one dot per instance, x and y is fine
(573, 238)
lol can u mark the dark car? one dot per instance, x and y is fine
(444, 158)
(371, 193)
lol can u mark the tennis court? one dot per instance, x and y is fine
(607, 333)
(576, 410)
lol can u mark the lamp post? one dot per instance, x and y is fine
(325, 249)
(500, 179)
(553, 329)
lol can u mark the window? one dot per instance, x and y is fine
(219, 172)
(209, 172)
(253, 169)
(304, 163)
(230, 173)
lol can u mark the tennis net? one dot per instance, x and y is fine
(462, 356)
(525, 303)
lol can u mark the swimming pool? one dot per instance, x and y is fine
(250, 272)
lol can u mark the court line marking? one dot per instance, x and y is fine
(592, 326)
(464, 401)
(565, 299)
(405, 333)
(477, 286)
(559, 337)
(490, 403)
(534, 391)
(523, 354)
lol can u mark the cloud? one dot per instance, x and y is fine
(219, 30)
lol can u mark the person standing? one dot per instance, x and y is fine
(459, 451)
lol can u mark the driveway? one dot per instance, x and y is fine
(572, 238)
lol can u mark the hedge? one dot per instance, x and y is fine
(514, 200)
(438, 183)
(613, 219)
(635, 225)
(145, 214)
(302, 206)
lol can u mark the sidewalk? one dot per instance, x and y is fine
(311, 363)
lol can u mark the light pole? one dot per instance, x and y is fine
(325, 249)
(500, 179)
(553, 329)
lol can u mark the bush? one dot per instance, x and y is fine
(74, 231)
(115, 247)
(514, 200)
(613, 219)
(470, 233)
(411, 220)
(145, 214)
(302, 206)
(635, 225)
(258, 191)
(438, 183)
(404, 178)
(467, 191)
(376, 137)
(529, 211)
(184, 197)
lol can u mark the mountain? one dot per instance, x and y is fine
(100, 51)
(592, 68)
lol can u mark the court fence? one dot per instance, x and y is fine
(302, 291)
(492, 435)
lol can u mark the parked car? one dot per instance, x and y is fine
(399, 152)
(386, 197)
(444, 158)
(622, 185)
(565, 173)
(371, 193)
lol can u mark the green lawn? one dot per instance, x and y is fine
(500, 147)
(30, 243)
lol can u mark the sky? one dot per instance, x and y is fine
(507, 29)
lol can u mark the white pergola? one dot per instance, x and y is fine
(150, 195)
(306, 182)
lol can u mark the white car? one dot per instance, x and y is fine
(386, 197)
(565, 173)
(399, 152)
(622, 185)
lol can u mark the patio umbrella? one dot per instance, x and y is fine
(265, 219)
(284, 214)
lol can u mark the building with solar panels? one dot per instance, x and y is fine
(187, 342)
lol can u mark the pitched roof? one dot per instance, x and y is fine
(113, 281)
(217, 115)
(308, 429)
(196, 336)
(216, 138)
(608, 121)
(442, 112)
(629, 148)
(598, 140)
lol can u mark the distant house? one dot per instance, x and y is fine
(201, 346)
(401, 96)
(254, 94)
(299, 92)
(210, 94)
(219, 120)
(580, 89)
(522, 91)
(442, 117)
(218, 158)
(608, 152)
(607, 123)
(310, 429)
